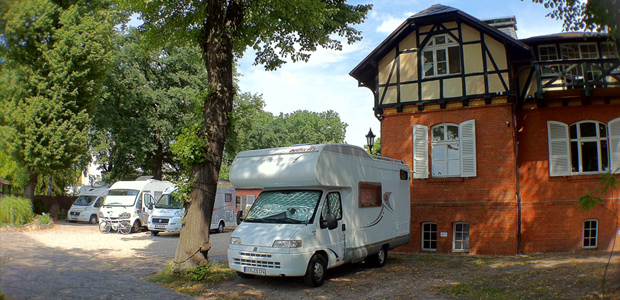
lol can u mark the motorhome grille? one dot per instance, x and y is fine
(256, 254)
(257, 263)
(160, 221)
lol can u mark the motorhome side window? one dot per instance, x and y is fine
(370, 194)
(332, 205)
(228, 197)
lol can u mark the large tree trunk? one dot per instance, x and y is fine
(158, 159)
(223, 17)
(32, 185)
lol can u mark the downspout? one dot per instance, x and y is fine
(517, 181)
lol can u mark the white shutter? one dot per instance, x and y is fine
(420, 151)
(467, 131)
(559, 153)
(614, 145)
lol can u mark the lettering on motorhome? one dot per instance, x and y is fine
(267, 160)
(309, 149)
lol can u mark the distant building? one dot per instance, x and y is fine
(502, 134)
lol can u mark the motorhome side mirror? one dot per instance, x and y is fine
(330, 221)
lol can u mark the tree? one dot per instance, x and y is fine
(591, 15)
(276, 30)
(151, 94)
(54, 57)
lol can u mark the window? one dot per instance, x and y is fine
(590, 233)
(446, 150)
(429, 236)
(453, 150)
(333, 205)
(548, 53)
(579, 51)
(369, 194)
(441, 56)
(227, 197)
(460, 242)
(585, 147)
(609, 50)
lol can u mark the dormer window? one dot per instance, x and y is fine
(441, 56)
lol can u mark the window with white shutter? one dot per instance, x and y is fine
(559, 162)
(468, 148)
(453, 150)
(614, 145)
(420, 151)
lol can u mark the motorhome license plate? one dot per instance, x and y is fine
(160, 226)
(257, 271)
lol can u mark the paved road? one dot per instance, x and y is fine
(75, 261)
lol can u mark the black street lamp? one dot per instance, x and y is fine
(370, 140)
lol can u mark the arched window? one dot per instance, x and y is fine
(588, 147)
(446, 150)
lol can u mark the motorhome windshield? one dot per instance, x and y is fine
(292, 207)
(168, 201)
(84, 200)
(120, 197)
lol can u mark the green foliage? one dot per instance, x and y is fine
(44, 218)
(55, 56)
(156, 93)
(591, 15)
(210, 273)
(189, 147)
(590, 200)
(15, 211)
(10, 170)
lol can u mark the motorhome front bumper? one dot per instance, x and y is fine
(165, 224)
(267, 261)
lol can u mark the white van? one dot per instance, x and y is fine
(86, 206)
(224, 209)
(167, 213)
(321, 206)
(130, 201)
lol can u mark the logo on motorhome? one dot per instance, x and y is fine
(309, 149)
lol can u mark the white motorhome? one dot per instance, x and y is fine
(224, 209)
(167, 213)
(130, 200)
(86, 206)
(321, 206)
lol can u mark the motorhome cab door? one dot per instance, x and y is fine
(333, 239)
(143, 206)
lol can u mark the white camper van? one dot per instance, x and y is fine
(130, 200)
(322, 206)
(224, 209)
(86, 206)
(167, 213)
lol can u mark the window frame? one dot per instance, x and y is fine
(369, 194)
(433, 47)
(445, 142)
(431, 238)
(579, 140)
(590, 238)
(463, 243)
(326, 206)
(551, 69)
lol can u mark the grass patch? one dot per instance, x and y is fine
(15, 211)
(192, 282)
(475, 291)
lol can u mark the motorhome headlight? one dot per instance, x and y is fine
(235, 240)
(101, 215)
(124, 215)
(287, 244)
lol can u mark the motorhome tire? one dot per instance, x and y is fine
(316, 271)
(154, 232)
(378, 260)
(93, 220)
(220, 227)
(135, 227)
(244, 275)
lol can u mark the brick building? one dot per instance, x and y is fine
(502, 134)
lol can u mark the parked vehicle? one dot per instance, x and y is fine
(224, 209)
(167, 213)
(130, 201)
(86, 206)
(321, 206)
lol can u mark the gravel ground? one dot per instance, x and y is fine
(76, 261)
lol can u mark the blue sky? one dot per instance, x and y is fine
(324, 83)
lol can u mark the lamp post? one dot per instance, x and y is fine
(370, 140)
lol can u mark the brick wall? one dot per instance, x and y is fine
(552, 219)
(487, 202)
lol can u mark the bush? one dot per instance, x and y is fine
(45, 219)
(15, 211)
